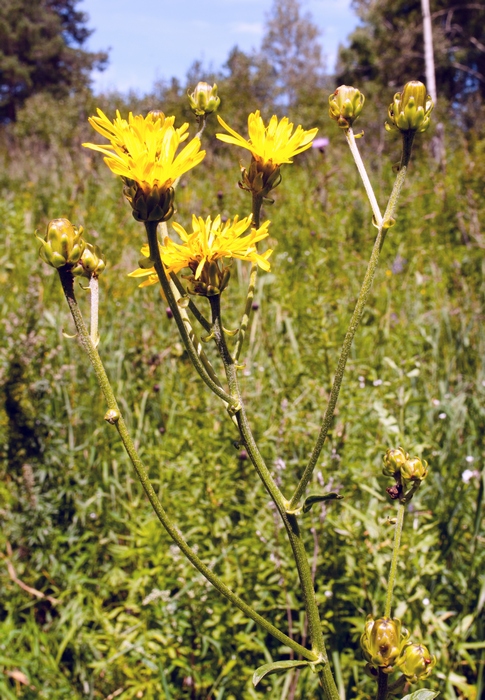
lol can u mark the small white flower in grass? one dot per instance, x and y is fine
(442, 416)
(469, 459)
(467, 475)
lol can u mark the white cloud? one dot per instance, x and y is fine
(254, 28)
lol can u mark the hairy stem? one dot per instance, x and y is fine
(382, 685)
(395, 555)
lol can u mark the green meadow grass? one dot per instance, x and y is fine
(123, 614)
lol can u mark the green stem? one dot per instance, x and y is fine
(382, 685)
(114, 416)
(94, 287)
(349, 336)
(289, 520)
(194, 352)
(395, 555)
(253, 276)
(363, 174)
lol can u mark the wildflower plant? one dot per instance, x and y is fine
(194, 272)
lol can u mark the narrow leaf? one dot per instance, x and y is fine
(276, 666)
(318, 498)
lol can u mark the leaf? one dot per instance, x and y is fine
(422, 694)
(276, 666)
(311, 500)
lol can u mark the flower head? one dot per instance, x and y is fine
(416, 663)
(143, 150)
(204, 99)
(273, 143)
(411, 109)
(270, 147)
(382, 642)
(346, 104)
(201, 250)
(63, 243)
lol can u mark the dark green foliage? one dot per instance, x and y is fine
(388, 47)
(41, 50)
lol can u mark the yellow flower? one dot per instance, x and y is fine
(274, 142)
(209, 242)
(143, 149)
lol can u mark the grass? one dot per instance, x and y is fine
(122, 613)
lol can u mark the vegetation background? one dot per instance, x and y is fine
(95, 601)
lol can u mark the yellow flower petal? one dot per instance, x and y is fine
(273, 143)
(144, 149)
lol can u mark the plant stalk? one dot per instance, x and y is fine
(395, 555)
(117, 419)
(353, 325)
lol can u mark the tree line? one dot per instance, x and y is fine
(43, 51)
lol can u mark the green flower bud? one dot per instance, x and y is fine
(416, 663)
(411, 109)
(92, 262)
(394, 460)
(346, 104)
(204, 99)
(62, 245)
(382, 642)
(414, 469)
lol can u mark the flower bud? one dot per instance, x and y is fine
(382, 642)
(411, 109)
(346, 104)
(92, 262)
(394, 459)
(154, 204)
(62, 245)
(204, 99)
(416, 663)
(414, 469)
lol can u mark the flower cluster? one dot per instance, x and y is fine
(200, 251)
(64, 246)
(385, 644)
(408, 473)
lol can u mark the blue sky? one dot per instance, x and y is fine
(157, 39)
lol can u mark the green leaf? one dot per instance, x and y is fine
(316, 498)
(274, 667)
(422, 694)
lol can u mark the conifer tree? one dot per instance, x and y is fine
(41, 50)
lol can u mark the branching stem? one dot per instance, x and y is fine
(171, 528)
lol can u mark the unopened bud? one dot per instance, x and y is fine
(394, 459)
(62, 245)
(416, 663)
(346, 104)
(414, 469)
(382, 642)
(411, 109)
(92, 262)
(204, 99)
